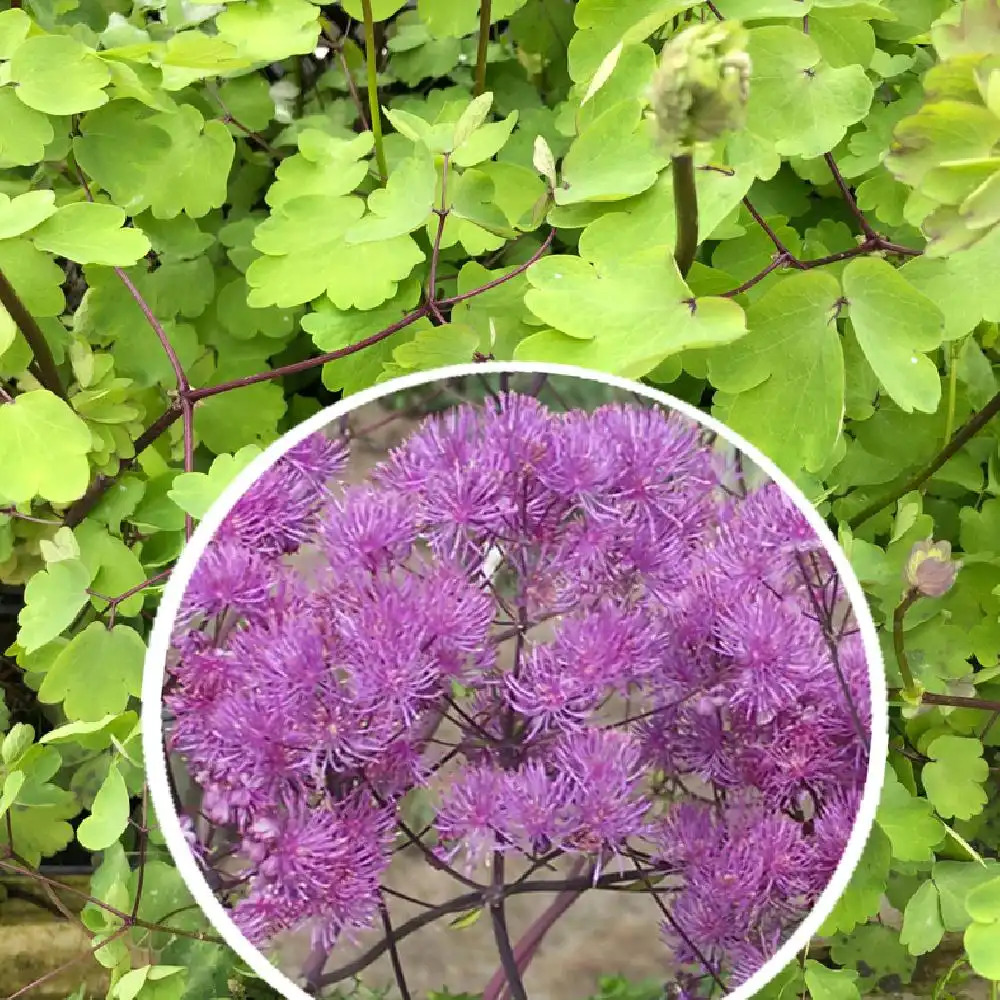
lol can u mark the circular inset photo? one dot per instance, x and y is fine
(506, 683)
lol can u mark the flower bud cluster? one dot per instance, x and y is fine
(701, 86)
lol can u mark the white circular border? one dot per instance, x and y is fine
(155, 666)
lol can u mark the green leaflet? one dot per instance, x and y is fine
(96, 673)
(895, 326)
(43, 449)
(784, 382)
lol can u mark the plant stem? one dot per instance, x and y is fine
(526, 948)
(849, 198)
(397, 965)
(301, 366)
(520, 269)
(686, 210)
(956, 701)
(374, 110)
(949, 427)
(471, 899)
(48, 374)
(965, 433)
(502, 936)
(82, 507)
(824, 617)
(898, 642)
(485, 17)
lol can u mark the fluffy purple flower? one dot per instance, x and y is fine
(322, 864)
(277, 514)
(564, 634)
(472, 815)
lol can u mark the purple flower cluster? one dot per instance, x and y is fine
(632, 663)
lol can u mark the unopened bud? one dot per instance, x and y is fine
(701, 87)
(930, 568)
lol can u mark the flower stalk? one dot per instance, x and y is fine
(374, 108)
(699, 92)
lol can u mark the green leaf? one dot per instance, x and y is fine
(983, 902)
(437, 346)
(191, 176)
(980, 529)
(195, 492)
(798, 105)
(472, 117)
(20, 737)
(825, 983)
(923, 927)
(785, 380)
(164, 893)
(955, 880)
(613, 158)
(982, 942)
(305, 256)
(484, 143)
(96, 735)
(52, 600)
(34, 275)
(14, 27)
(464, 920)
(194, 55)
(43, 449)
(908, 820)
(955, 777)
(622, 317)
(894, 324)
(324, 165)
(113, 566)
(334, 329)
(864, 892)
(96, 673)
(151, 982)
(98, 150)
(108, 815)
(228, 419)
(605, 23)
(58, 75)
(402, 205)
(24, 132)
(24, 212)
(89, 233)
(39, 812)
(11, 786)
(270, 30)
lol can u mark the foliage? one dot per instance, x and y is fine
(197, 251)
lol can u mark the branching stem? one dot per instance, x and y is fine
(46, 371)
(961, 437)
(485, 18)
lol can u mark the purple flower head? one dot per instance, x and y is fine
(229, 577)
(556, 631)
(365, 528)
(317, 458)
(537, 807)
(472, 815)
(322, 864)
(772, 648)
